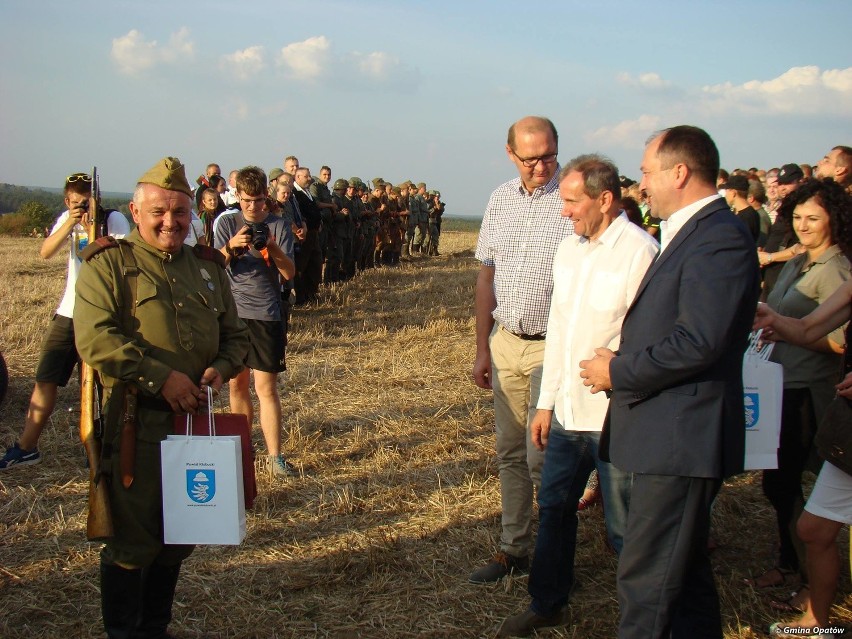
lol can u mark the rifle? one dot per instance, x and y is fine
(99, 524)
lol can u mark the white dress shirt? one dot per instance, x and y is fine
(594, 283)
(678, 219)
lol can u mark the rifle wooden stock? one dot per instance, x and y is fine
(99, 525)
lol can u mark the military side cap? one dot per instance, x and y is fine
(168, 174)
(275, 173)
(421, 185)
(340, 183)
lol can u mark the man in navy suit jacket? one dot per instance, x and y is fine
(676, 416)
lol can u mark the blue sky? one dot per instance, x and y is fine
(410, 90)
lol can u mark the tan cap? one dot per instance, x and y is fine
(168, 174)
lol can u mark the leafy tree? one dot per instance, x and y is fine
(37, 215)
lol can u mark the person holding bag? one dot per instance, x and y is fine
(830, 503)
(819, 213)
(157, 321)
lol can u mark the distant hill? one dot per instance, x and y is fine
(13, 197)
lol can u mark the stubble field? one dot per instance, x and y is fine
(398, 502)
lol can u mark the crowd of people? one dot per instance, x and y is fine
(611, 322)
(612, 349)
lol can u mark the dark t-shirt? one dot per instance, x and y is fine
(254, 283)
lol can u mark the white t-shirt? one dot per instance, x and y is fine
(117, 226)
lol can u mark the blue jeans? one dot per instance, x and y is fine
(569, 459)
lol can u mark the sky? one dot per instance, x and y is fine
(413, 90)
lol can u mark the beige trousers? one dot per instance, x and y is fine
(516, 370)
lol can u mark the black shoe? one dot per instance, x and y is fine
(499, 567)
(524, 624)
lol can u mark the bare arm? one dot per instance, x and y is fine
(484, 304)
(53, 242)
(809, 330)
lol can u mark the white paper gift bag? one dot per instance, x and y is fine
(203, 500)
(763, 387)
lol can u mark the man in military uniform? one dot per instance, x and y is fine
(181, 336)
(419, 204)
(436, 214)
(409, 216)
(340, 232)
(369, 226)
(322, 196)
(355, 213)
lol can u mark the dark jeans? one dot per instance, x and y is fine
(569, 458)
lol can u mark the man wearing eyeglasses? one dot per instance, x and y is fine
(258, 249)
(521, 230)
(58, 353)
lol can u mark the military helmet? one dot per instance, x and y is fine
(340, 183)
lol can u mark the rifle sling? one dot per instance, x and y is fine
(120, 420)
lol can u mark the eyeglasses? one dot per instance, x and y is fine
(530, 163)
(78, 177)
(253, 201)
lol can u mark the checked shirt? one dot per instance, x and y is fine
(519, 236)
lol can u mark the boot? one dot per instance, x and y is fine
(157, 598)
(121, 600)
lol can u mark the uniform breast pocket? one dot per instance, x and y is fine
(146, 290)
(208, 303)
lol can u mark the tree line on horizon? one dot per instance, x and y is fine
(31, 211)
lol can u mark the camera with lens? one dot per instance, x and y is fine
(259, 234)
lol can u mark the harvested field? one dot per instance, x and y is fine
(398, 502)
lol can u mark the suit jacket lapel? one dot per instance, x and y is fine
(682, 235)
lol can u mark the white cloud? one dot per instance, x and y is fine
(314, 59)
(132, 53)
(306, 60)
(801, 90)
(244, 64)
(627, 133)
(651, 81)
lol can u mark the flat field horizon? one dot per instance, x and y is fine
(398, 498)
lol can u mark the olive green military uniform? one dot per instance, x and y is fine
(436, 211)
(321, 194)
(185, 320)
(342, 233)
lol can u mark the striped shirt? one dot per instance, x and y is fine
(519, 236)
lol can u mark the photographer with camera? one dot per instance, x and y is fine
(58, 353)
(258, 249)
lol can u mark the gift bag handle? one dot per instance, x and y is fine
(211, 423)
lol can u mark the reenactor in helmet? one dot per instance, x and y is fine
(353, 203)
(340, 245)
(436, 210)
(322, 196)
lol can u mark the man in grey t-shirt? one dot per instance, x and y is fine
(257, 246)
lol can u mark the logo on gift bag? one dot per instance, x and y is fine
(752, 409)
(201, 484)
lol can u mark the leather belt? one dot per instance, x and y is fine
(530, 338)
(525, 336)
